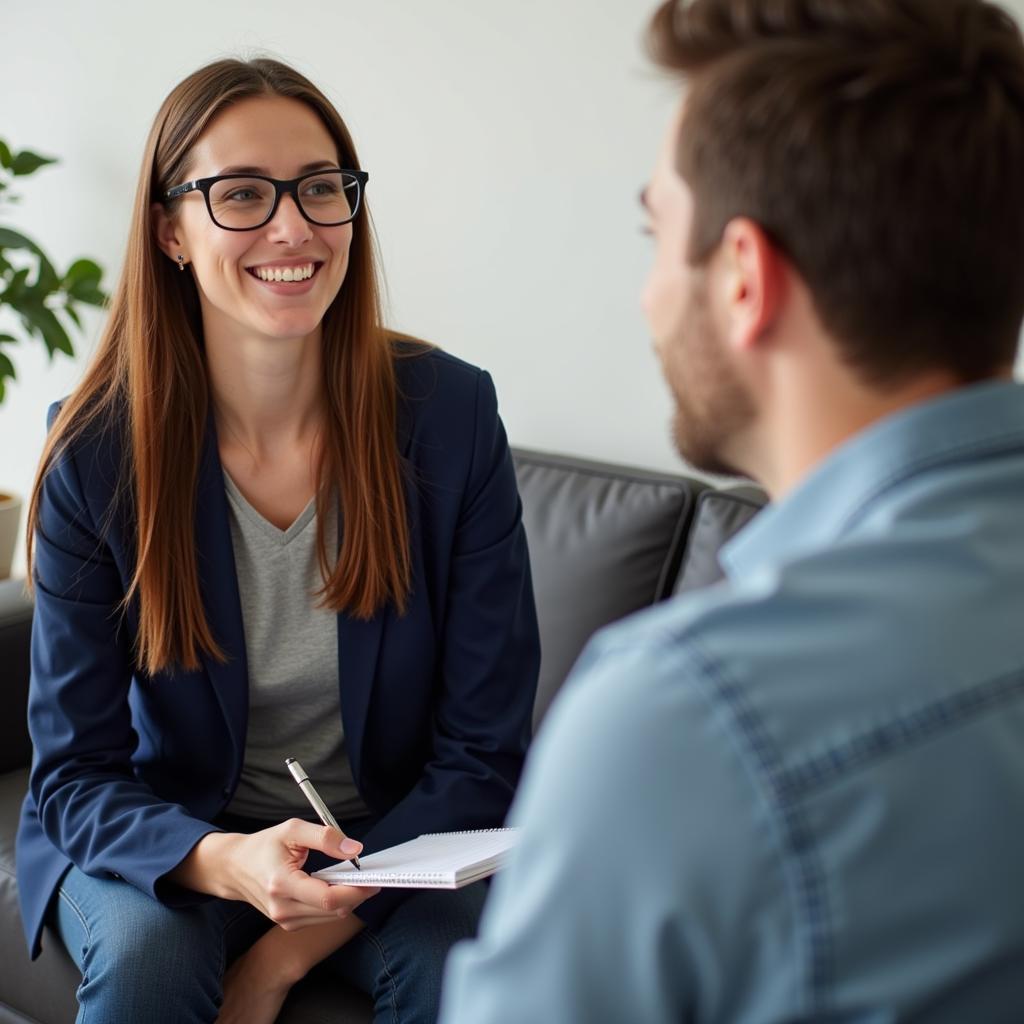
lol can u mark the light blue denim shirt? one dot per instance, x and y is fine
(797, 795)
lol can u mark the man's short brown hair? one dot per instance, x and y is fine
(880, 144)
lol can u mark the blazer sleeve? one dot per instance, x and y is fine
(91, 804)
(490, 659)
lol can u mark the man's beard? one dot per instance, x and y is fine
(713, 407)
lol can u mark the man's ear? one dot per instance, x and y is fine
(165, 230)
(751, 282)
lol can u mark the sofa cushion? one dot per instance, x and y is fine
(720, 514)
(41, 991)
(15, 629)
(605, 540)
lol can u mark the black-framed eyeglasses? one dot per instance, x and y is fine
(242, 202)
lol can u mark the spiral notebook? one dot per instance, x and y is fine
(438, 860)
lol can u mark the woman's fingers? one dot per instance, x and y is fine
(294, 914)
(333, 842)
(270, 863)
(343, 899)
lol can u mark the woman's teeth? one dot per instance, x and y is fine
(283, 273)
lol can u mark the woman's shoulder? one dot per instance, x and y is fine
(92, 425)
(445, 404)
(90, 442)
(423, 369)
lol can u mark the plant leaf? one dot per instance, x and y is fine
(10, 239)
(52, 330)
(82, 282)
(38, 319)
(82, 276)
(6, 370)
(92, 298)
(73, 313)
(47, 280)
(7, 337)
(27, 162)
(15, 291)
(5, 154)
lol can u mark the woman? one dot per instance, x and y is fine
(264, 528)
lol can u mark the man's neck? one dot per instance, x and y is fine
(817, 417)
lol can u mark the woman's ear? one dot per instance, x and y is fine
(165, 230)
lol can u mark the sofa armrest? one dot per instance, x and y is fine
(15, 633)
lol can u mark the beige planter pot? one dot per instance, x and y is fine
(10, 517)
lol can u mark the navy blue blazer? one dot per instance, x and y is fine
(130, 770)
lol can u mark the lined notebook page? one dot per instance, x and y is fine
(439, 860)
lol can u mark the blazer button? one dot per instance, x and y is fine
(226, 791)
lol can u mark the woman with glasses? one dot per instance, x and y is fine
(264, 527)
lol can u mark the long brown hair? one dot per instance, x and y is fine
(149, 373)
(880, 144)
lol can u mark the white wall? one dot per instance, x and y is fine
(506, 144)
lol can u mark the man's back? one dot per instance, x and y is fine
(795, 792)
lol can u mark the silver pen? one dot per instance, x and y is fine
(322, 810)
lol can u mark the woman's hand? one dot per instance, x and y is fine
(265, 869)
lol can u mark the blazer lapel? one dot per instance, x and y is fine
(218, 584)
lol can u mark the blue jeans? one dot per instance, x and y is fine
(143, 961)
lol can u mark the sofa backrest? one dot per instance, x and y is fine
(719, 515)
(605, 540)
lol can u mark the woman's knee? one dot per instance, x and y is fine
(403, 961)
(141, 953)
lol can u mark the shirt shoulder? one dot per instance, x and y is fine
(636, 801)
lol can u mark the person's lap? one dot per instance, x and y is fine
(141, 960)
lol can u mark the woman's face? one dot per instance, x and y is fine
(280, 138)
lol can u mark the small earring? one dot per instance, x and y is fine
(181, 262)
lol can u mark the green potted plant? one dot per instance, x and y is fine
(39, 302)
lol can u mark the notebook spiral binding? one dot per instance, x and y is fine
(470, 832)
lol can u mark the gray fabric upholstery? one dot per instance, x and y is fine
(604, 541)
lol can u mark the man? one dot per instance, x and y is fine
(799, 795)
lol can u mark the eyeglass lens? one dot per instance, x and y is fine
(330, 197)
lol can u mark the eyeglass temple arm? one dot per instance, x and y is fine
(179, 190)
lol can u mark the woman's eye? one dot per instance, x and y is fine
(320, 188)
(243, 194)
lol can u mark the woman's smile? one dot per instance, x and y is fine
(286, 278)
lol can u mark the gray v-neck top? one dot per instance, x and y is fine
(292, 652)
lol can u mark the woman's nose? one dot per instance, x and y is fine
(288, 224)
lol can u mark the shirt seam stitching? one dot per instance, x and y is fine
(799, 849)
(899, 734)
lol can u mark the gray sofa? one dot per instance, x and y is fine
(604, 540)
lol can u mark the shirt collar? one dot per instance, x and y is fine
(968, 422)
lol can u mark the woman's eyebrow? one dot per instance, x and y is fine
(315, 166)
